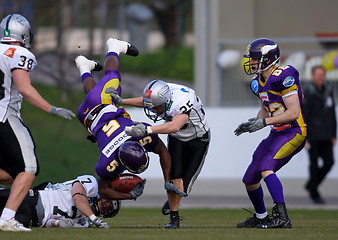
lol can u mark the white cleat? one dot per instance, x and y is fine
(118, 46)
(84, 63)
(12, 225)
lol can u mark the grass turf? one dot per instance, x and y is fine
(147, 223)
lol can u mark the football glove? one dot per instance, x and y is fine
(253, 125)
(170, 187)
(100, 223)
(256, 124)
(115, 94)
(65, 223)
(137, 190)
(138, 130)
(242, 128)
(61, 112)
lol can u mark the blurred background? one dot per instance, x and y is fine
(198, 43)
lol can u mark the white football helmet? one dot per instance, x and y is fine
(16, 28)
(155, 94)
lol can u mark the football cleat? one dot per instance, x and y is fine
(98, 66)
(253, 222)
(84, 63)
(12, 225)
(279, 218)
(166, 208)
(174, 221)
(118, 46)
(132, 51)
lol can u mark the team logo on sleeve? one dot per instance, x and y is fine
(254, 86)
(288, 81)
(10, 52)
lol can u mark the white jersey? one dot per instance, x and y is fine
(184, 100)
(12, 57)
(57, 201)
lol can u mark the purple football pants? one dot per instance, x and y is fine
(273, 153)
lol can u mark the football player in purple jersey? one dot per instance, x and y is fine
(281, 96)
(106, 123)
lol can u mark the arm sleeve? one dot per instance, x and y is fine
(23, 59)
(90, 185)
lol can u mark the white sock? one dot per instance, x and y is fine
(117, 46)
(8, 214)
(261, 215)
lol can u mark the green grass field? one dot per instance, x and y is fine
(136, 223)
(64, 153)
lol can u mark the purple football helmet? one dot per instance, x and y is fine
(263, 49)
(133, 157)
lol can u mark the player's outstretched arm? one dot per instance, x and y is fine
(79, 196)
(136, 102)
(106, 191)
(23, 84)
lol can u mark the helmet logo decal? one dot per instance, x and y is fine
(7, 33)
(248, 48)
(147, 93)
(265, 49)
(163, 91)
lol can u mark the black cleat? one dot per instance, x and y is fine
(166, 208)
(253, 222)
(279, 218)
(132, 51)
(98, 66)
(174, 221)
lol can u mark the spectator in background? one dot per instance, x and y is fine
(320, 116)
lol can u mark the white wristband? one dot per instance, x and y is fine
(149, 131)
(92, 217)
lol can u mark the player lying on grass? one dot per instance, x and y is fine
(74, 203)
(106, 123)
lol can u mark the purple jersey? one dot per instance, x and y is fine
(283, 82)
(109, 138)
(108, 126)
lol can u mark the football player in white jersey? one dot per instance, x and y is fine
(74, 203)
(187, 128)
(18, 163)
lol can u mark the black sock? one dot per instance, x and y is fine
(173, 214)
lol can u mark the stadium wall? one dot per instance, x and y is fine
(228, 155)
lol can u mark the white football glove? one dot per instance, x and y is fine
(65, 223)
(61, 112)
(115, 94)
(100, 223)
(138, 130)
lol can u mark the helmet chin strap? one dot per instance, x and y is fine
(267, 67)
